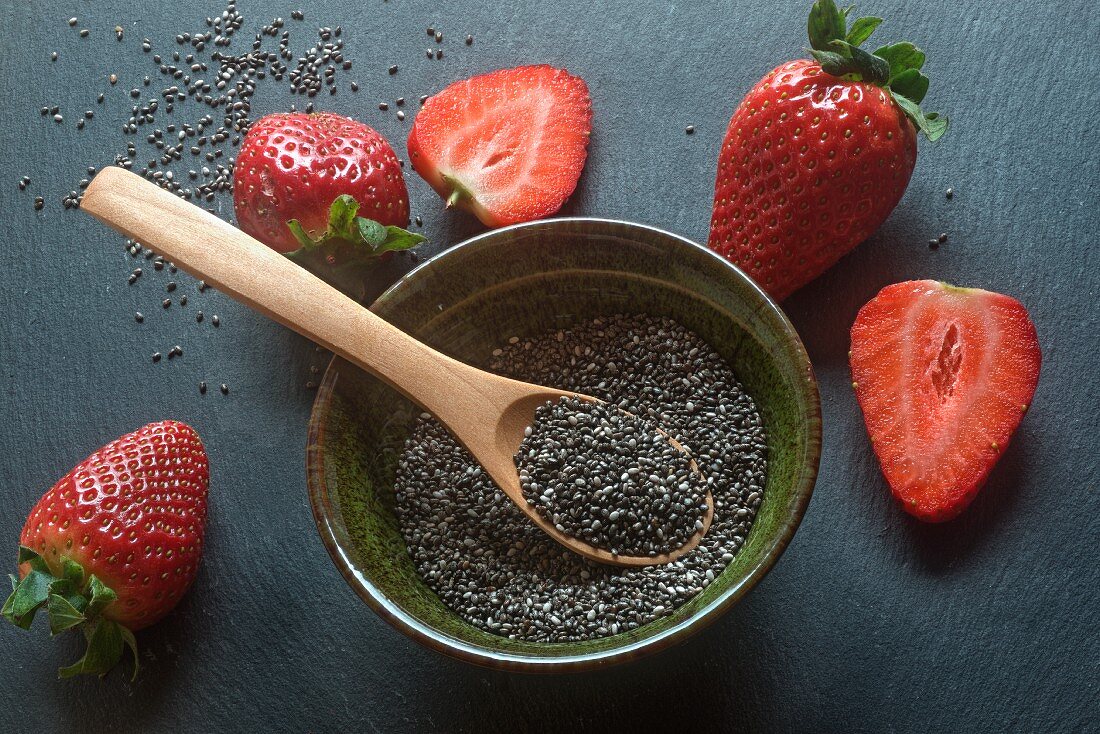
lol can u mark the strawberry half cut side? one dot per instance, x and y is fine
(943, 376)
(507, 146)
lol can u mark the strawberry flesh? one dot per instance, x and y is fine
(508, 146)
(943, 376)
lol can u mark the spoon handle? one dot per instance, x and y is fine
(234, 263)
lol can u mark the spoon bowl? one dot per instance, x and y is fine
(486, 413)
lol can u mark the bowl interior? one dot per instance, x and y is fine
(523, 281)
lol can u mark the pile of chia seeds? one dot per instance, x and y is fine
(487, 561)
(610, 478)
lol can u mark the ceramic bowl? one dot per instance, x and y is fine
(525, 280)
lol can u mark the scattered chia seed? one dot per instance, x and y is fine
(383, 106)
(439, 53)
(439, 36)
(167, 302)
(942, 238)
(171, 286)
(419, 221)
(393, 69)
(84, 33)
(139, 317)
(202, 388)
(690, 129)
(156, 357)
(39, 202)
(225, 389)
(118, 32)
(198, 317)
(502, 574)
(469, 40)
(431, 31)
(950, 193)
(423, 99)
(400, 114)
(215, 320)
(72, 22)
(183, 300)
(610, 479)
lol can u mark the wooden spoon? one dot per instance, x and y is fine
(485, 412)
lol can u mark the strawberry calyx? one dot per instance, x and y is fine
(894, 67)
(71, 599)
(349, 243)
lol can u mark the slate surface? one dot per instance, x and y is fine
(871, 621)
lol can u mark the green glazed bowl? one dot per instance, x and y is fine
(524, 280)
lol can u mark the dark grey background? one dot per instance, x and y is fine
(871, 621)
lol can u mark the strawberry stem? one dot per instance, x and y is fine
(895, 67)
(70, 603)
(349, 246)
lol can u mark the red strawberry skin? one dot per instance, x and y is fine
(512, 143)
(293, 165)
(943, 376)
(133, 514)
(811, 165)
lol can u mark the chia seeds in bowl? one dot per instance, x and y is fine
(530, 280)
(610, 478)
(498, 571)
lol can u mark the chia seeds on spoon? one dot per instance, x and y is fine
(610, 479)
(489, 563)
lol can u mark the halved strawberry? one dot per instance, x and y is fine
(943, 376)
(507, 146)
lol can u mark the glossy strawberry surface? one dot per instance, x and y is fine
(294, 165)
(811, 165)
(133, 514)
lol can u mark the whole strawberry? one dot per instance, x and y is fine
(324, 189)
(819, 153)
(115, 543)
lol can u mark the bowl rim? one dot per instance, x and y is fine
(330, 531)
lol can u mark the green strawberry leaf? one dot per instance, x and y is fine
(101, 596)
(300, 234)
(901, 56)
(341, 213)
(826, 24)
(343, 253)
(895, 66)
(63, 614)
(105, 647)
(861, 29)
(128, 638)
(931, 124)
(849, 62)
(911, 84)
(399, 239)
(28, 555)
(73, 572)
(370, 233)
(30, 594)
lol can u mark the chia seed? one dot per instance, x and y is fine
(485, 559)
(610, 479)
